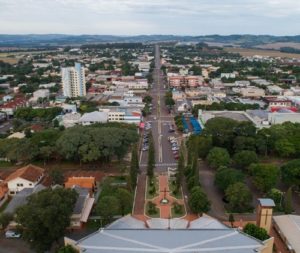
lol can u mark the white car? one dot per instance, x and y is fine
(175, 148)
(12, 234)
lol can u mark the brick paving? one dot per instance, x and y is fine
(139, 203)
(165, 209)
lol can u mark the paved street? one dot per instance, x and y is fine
(160, 119)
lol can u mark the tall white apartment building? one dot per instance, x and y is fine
(73, 80)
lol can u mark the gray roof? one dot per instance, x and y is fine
(289, 227)
(96, 116)
(165, 240)
(20, 198)
(266, 202)
(127, 222)
(83, 193)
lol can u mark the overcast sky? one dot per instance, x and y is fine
(131, 17)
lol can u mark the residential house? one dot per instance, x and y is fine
(82, 181)
(26, 177)
(10, 107)
(21, 198)
(82, 208)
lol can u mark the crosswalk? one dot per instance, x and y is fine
(160, 164)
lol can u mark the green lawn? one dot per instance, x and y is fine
(172, 187)
(149, 194)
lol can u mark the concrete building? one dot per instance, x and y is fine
(130, 115)
(73, 80)
(252, 92)
(264, 214)
(204, 234)
(93, 117)
(288, 227)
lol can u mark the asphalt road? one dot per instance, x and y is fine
(160, 119)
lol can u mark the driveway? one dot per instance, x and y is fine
(13, 245)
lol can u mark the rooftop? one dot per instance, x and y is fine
(30, 172)
(131, 235)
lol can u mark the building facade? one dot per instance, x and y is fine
(73, 80)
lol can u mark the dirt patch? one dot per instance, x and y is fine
(247, 52)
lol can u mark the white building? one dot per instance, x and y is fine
(73, 80)
(128, 115)
(26, 177)
(42, 93)
(93, 117)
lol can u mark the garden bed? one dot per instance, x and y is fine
(176, 194)
(178, 211)
(152, 211)
(152, 190)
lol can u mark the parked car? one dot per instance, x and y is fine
(175, 148)
(145, 148)
(12, 234)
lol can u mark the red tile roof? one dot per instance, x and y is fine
(30, 172)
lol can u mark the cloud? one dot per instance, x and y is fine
(150, 16)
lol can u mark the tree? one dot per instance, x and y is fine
(226, 177)
(180, 167)
(198, 201)
(5, 219)
(231, 219)
(265, 176)
(151, 157)
(291, 173)
(195, 169)
(285, 148)
(108, 206)
(125, 201)
(147, 99)
(218, 157)
(277, 197)
(255, 231)
(288, 206)
(204, 145)
(244, 158)
(45, 216)
(67, 249)
(134, 167)
(57, 176)
(239, 197)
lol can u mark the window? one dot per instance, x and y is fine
(30, 184)
(19, 184)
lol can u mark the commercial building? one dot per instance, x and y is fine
(130, 115)
(73, 80)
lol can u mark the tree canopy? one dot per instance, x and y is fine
(265, 176)
(218, 157)
(45, 216)
(198, 201)
(239, 197)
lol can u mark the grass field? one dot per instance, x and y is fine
(9, 60)
(251, 52)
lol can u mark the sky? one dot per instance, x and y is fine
(133, 17)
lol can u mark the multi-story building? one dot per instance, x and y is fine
(73, 80)
(177, 81)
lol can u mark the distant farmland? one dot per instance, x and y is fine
(251, 52)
